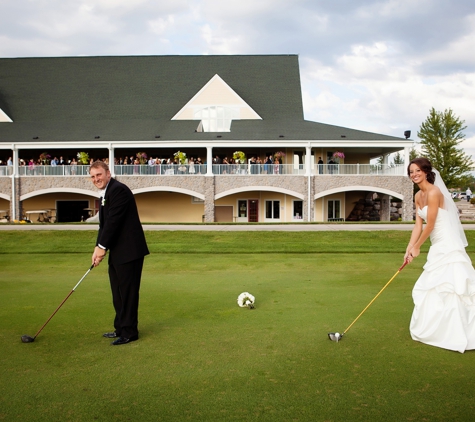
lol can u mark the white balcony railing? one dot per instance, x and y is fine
(360, 169)
(6, 170)
(221, 170)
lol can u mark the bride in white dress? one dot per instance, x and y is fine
(444, 294)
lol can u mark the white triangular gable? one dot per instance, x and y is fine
(4, 117)
(217, 93)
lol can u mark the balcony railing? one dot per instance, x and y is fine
(6, 170)
(218, 170)
(360, 169)
(160, 170)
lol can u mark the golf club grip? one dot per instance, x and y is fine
(403, 265)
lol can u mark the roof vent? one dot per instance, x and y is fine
(35, 137)
(96, 137)
(343, 136)
(281, 136)
(157, 136)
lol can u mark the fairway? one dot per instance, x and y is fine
(200, 357)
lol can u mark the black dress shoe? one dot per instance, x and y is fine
(124, 340)
(110, 335)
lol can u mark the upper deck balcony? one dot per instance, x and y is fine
(216, 170)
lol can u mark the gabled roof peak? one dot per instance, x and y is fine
(4, 117)
(215, 95)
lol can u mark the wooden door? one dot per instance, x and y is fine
(253, 207)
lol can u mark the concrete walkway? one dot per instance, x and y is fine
(231, 227)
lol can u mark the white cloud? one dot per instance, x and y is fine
(376, 65)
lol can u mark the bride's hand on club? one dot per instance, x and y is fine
(413, 253)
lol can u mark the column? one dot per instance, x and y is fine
(308, 160)
(209, 163)
(111, 160)
(15, 197)
(209, 199)
(384, 212)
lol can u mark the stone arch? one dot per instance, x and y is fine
(259, 188)
(169, 189)
(359, 188)
(59, 190)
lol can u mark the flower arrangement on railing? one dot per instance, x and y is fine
(239, 157)
(45, 158)
(337, 155)
(83, 157)
(279, 155)
(246, 300)
(180, 156)
(142, 157)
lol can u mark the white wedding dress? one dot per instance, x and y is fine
(444, 294)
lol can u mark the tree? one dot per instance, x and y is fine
(440, 135)
(398, 158)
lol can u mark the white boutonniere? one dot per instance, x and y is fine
(246, 300)
(103, 202)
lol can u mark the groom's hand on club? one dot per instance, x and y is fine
(98, 256)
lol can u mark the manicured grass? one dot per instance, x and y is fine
(200, 356)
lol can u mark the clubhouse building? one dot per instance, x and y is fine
(196, 138)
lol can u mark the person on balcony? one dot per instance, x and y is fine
(252, 163)
(276, 166)
(320, 165)
(259, 165)
(331, 166)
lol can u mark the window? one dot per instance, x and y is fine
(297, 211)
(333, 209)
(242, 209)
(273, 210)
(216, 118)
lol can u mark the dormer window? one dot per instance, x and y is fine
(216, 118)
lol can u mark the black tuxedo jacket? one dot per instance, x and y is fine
(120, 230)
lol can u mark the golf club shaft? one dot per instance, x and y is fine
(381, 291)
(65, 299)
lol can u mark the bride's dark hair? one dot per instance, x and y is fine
(425, 165)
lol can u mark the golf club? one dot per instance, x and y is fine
(337, 336)
(28, 339)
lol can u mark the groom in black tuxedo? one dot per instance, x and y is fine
(120, 233)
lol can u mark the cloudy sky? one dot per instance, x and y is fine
(376, 65)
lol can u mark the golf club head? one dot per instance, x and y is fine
(335, 336)
(27, 339)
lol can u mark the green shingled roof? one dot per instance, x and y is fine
(133, 98)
